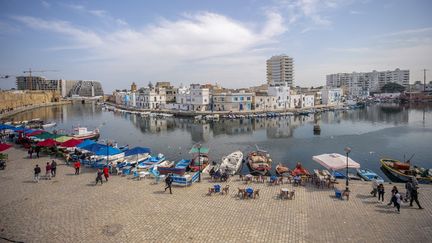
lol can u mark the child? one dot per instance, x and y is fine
(381, 193)
(397, 201)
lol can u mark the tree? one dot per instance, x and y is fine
(392, 88)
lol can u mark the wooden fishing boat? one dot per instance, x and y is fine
(178, 169)
(82, 133)
(368, 175)
(403, 171)
(259, 161)
(199, 163)
(299, 170)
(231, 163)
(151, 161)
(49, 125)
(281, 169)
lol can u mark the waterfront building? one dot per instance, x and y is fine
(262, 101)
(67, 88)
(367, 81)
(331, 96)
(302, 101)
(280, 71)
(151, 98)
(170, 91)
(237, 101)
(194, 98)
(282, 94)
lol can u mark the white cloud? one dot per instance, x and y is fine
(103, 15)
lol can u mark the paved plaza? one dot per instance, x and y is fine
(69, 208)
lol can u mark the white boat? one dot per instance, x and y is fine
(83, 133)
(231, 163)
(136, 158)
(48, 125)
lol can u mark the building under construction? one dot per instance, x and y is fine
(67, 88)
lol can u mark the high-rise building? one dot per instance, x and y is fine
(371, 81)
(280, 71)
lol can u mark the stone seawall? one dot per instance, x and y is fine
(30, 107)
(20, 98)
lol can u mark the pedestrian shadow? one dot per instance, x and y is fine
(29, 181)
(69, 174)
(160, 192)
(388, 211)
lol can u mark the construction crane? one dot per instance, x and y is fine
(30, 71)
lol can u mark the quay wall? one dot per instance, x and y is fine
(195, 113)
(25, 108)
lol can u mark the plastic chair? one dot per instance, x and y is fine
(217, 188)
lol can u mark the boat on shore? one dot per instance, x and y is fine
(299, 170)
(259, 162)
(231, 163)
(178, 169)
(282, 170)
(199, 162)
(82, 133)
(151, 161)
(368, 175)
(49, 125)
(404, 171)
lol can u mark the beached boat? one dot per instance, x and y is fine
(83, 133)
(151, 161)
(259, 161)
(282, 170)
(179, 168)
(368, 175)
(231, 163)
(403, 171)
(49, 125)
(199, 163)
(299, 170)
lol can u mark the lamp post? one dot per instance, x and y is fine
(199, 161)
(347, 151)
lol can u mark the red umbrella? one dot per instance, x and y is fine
(4, 146)
(71, 143)
(37, 132)
(48, 143)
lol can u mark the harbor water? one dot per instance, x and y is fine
(380, 130)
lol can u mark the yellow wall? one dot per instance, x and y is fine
(14, 99)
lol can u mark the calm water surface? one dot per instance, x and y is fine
(388, 130)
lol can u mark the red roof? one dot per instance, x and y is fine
(48, 143)
(71, 143)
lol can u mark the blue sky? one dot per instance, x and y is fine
(228, 42)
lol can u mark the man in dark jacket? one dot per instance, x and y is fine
(168, 182)
(37, 171)
(412, 186)
(37, 150)
(53, 168)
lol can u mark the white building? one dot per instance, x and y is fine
(280, 71)
(151, 98)
(302, 101)
(194, 98)
(368, 81)
(240, 101)
(262, 101)
(331, 96)
(282, 94)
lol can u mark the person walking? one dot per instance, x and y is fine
(37, 171)
(397, 201)
(393, 191)
(381, 192)
(48, 171)
(374, 186)
(99, 176)
(37, 150)
(53, 168)
(30, 152)
(413, 186)
(168, 182)
(77, 166)
(106, 172)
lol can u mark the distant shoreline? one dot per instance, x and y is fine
(31, 107)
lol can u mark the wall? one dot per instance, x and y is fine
(15, 99)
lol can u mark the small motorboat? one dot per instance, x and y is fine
(179, 168)
(403, 171)
(199, 163)
(259, 161)
(231, 163)
(299, 170)
(49, 125)
(368, 175)
(281, 169)
(151, 161)
(82, 133)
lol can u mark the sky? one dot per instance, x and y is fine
(225, 42)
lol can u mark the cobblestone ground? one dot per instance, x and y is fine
(70, 208)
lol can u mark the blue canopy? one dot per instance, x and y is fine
(29, 131)
(107, 150)
(137, 150)
(93, 147)
(4, 126)
(86, 143)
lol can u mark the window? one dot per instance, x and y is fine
(205, 100)
(248, 98)
(242, 98)
(235, 99)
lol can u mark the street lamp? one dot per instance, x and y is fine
(199, 161)
(347, 151)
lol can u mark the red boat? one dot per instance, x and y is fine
(259, 161)
(299, 170)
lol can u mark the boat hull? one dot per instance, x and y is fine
(399, 175)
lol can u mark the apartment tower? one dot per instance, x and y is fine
(280, 71)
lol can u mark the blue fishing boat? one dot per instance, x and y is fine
(151, 161)
(178, 169)
(368, 175)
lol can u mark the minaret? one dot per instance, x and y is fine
(133, 87)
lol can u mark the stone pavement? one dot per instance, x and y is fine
(70, 208)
